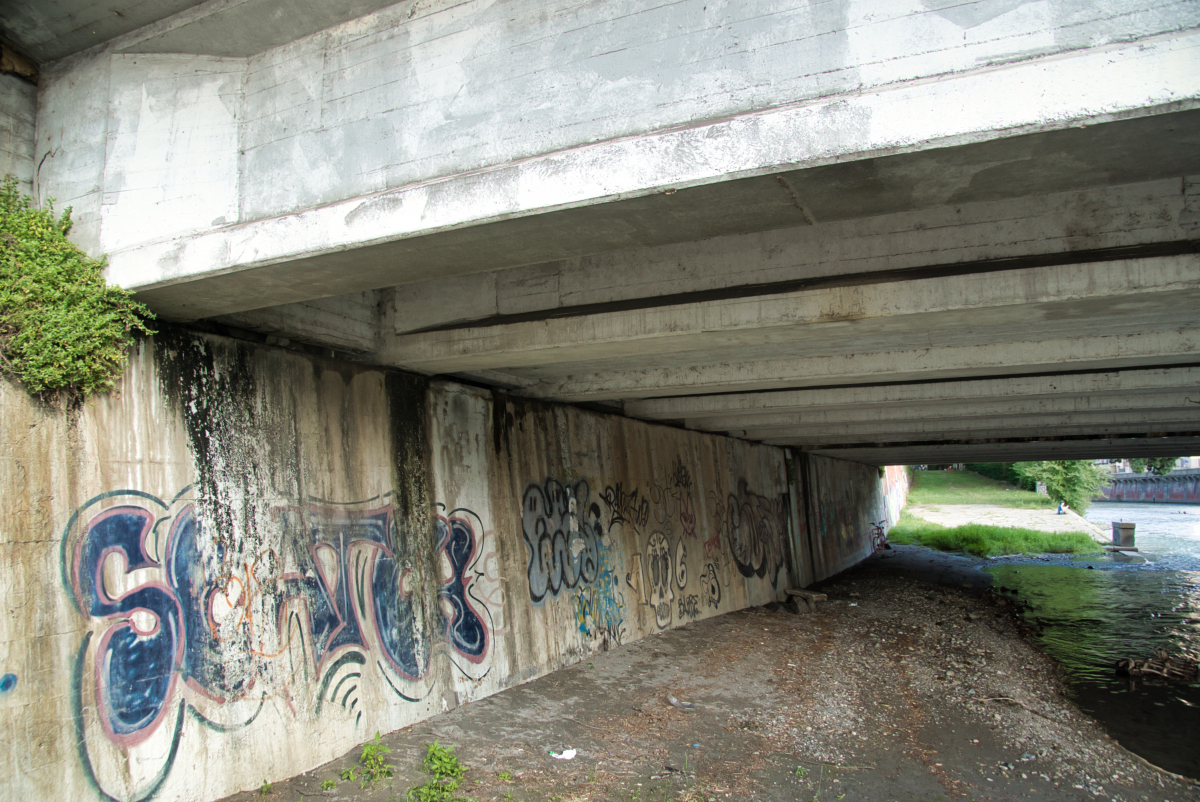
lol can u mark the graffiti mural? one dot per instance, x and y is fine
(626, 506)
(658, 578)
(710, 586)
(754, 527)
(573, 542)
(600, 605)
(689, 606)
(182, 621)
(562, 532)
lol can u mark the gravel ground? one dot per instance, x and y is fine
(897, 688)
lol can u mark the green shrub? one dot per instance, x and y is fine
(1076, 482)
(61, 327)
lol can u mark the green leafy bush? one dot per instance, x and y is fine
(1076, 482)
(61, 327)
(1159, 466)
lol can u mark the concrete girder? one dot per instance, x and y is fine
(406, 233)
(1007, 305)
(1081, 353)
(1012, 450)
(1017, 388)
(952, 428)
(1129, 405)
(1097, 219)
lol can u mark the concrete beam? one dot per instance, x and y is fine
(1131, 405)
(1083, 353)
(997, 305)
(1098, 424)
(346, 322)
(1002, 450)
(971, 391)
(1097, 218)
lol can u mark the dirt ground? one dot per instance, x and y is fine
(912, 682)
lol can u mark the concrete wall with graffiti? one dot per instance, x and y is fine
(839, 504)
(1175, 488)
(244, 561)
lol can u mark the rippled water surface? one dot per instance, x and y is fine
(1121, 607)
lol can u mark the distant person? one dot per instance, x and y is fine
(1062, 508)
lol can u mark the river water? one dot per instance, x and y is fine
(1093, 611)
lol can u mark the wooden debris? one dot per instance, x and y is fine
(1177, 668)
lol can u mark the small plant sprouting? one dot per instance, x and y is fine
(447, 774)
(801, 772)
(441, 762)
(328, 785)
(372, 763)
(264, 789)
(348, 774)
(504, 776)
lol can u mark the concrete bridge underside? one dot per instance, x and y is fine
(956, 231)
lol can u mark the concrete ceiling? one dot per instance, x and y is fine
(1029, 298)
(47, 30)
(1147, 148)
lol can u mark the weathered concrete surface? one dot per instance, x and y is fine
(1039, 303)
(971, 228)
(417, 121)
(245, 560)
(18, 107)
(844, 499)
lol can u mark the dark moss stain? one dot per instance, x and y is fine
(412, 453)
(212, 387)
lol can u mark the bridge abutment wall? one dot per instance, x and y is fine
(245, 560)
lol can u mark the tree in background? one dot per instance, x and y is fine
(1072, 481)
(1159, 466)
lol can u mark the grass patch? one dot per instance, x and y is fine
(965, 487)
(988, 541)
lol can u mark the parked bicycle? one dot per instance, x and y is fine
(879, 541)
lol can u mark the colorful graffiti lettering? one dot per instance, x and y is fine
(600, 606)
(174, 608)
(562, 532)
